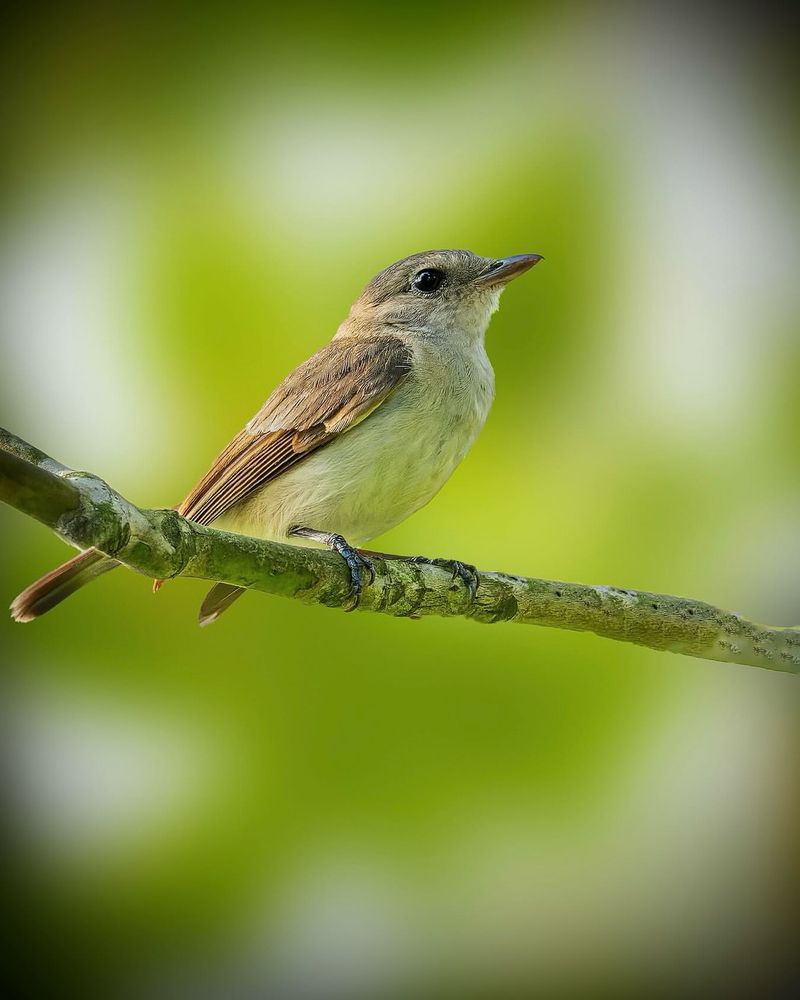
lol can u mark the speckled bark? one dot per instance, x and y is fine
(85, 511)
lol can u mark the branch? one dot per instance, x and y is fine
(161, 544)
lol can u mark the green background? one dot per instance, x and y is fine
(303, 803)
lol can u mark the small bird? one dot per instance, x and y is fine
(359, 436)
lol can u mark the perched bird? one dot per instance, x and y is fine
(358, 437)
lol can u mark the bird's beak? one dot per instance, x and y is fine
(503, 270)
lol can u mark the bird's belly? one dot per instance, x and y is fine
(373, 476)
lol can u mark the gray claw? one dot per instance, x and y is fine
(357, 565)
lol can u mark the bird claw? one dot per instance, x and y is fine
(357, 564)
(465, 572)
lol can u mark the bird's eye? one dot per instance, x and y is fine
(428, 280)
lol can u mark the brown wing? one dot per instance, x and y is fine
(325, 396)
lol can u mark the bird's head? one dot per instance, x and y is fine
(437, 293)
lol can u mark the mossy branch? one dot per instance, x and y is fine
(161, 544)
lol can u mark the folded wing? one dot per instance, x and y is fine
(327, 395)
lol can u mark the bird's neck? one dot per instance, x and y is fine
(465, 326)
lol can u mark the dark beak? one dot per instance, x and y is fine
(503, 270)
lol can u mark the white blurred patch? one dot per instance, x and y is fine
(345, 930)
(766, 557)
(90, 779)
(332, 168)
(712, 227)
(78, 376)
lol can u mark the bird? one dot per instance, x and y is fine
(358, 437)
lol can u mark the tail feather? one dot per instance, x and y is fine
(217, 600)
(53, 587)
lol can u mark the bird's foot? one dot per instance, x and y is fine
(358, 565)
(465, 572)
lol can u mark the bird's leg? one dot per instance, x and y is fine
(465, 572)
(357, 563)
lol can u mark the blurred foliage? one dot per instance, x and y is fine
(211, 186)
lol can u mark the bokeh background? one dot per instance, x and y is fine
(298, 803)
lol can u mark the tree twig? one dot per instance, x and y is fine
(85, 511)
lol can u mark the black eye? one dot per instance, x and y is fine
(428, 280)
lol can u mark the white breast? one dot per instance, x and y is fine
(389, 465)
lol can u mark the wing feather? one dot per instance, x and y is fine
(336, 388)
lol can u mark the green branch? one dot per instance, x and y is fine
(86, 512)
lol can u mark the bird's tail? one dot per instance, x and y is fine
(217, 600)
(53, 587)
